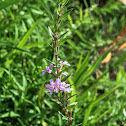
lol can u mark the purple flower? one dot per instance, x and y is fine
(65, 87)
(50, 87)
(68, 89)
(58, 59)
(64, 63)
(64, 73)
(53, 87)
(48, 69)
(58, 85)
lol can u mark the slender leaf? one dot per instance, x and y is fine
(6, 3)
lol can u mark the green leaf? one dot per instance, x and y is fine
(101, 116)
(88, 111)
(62, 41)
(21, 122)
(15, 80)
(87, 43)
(47, 9)
(9, 114)
(64, 2)
(25, 38)
(81, 67)
(91, 69)
(72, 99)
(72, 105)
(73, 45)
(106, 94)
(13, 47)
(39, 44)
(63, 24)
(24, 83)
(65, 102)
(120, 60)
(50, 32)
(6, 3)
(21, 43)
(60, 120)
(63, 116)
(65, 78)
(65, 14)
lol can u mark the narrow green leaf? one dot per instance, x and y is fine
(64, 2)
(60, 120)
(82, 68)
(101, 116)
(21, 122)
(6, 3)
(65, 14)
(50, 32)
(120, 60)
(13, 47)
(21, 43)
(72, 99)
(91, 69)
(9, 114)
(70, 20)
(72, 105)
(81, 13)
(15, 80)
(106, 94)
(86, 4)
(25, 38)
(47, 9)
(24, 82)
(87, 43)
(65, 78)
(87, 114)
(62, 41)
(39, 44)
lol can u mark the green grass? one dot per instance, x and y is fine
(26, 48)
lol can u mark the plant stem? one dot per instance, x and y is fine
(56, 52)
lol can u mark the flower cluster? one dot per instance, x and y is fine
(48, 69)
(58, 85)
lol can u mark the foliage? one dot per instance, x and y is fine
(25, 46)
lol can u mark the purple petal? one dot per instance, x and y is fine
(58, 59)
(47, 68)
(66, 63)
(43, 72)
(67, 85)
(51, 65)
(69, 89)
(52, 82)
(51, 92)
(62, 88)
(47, 90)
(57, 81)
(61, 62)
(48, 86)
(56, 90)
(62, 83)
(64, 73)
(49, 71)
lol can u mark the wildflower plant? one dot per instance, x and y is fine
(58, 86)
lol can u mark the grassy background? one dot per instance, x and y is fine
(25, 49)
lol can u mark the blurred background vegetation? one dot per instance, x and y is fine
(26, 48)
